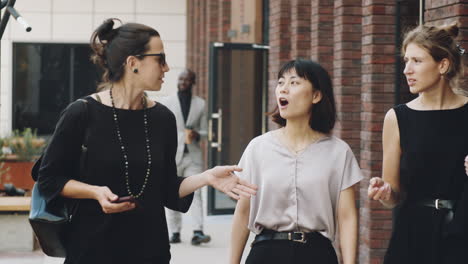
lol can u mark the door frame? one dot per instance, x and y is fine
(212, 94)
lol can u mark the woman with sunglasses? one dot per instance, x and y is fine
(131, 144)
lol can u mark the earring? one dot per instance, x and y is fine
(135, 70)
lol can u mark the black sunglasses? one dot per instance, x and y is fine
(162, 57)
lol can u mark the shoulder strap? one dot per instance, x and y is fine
(84, 144)
(85, 124)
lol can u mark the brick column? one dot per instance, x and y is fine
(207, 21)
(300, 27)
(347, 71)
(224, 19)
(322, 33)
(378, 48)
(202, 79)
(209, 33)
(191, 31)
(447, 12)
(196, 44)
(193, 37)
(190, 34)
(280, 46)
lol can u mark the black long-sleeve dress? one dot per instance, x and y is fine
(137, 236)
(434, 145)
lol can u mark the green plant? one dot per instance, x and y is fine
(25, 145)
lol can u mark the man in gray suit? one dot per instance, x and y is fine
(190, 114)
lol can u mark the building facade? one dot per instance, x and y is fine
(358, 42)
(45, 69)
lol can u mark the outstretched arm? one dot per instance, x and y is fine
(221, 178)
(387, 188)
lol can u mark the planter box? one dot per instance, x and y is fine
(19, 174)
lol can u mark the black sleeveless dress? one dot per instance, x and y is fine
(434, 145)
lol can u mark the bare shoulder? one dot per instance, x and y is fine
(390, 126)
(390, 117)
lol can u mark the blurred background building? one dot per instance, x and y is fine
(236, 47)
(44, 70)
(357, 41)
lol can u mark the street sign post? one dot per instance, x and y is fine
(8, 5)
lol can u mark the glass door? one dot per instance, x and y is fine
(237, 107)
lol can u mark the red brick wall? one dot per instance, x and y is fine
(300, 28)
(346, 52)
(207, 21)
(355, 42)
(347, 71)
(224, 19)
(447, 12)
(202, 87)
(280, 45)
(194, 39)
(322, 33)
(191, 33)
(378, 50)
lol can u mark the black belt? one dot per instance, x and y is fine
(438, 204)
(300, 237)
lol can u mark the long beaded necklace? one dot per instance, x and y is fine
(124, 151)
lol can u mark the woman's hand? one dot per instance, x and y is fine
(466, 165)
(379, 189)
(223, 179)
(107, 198)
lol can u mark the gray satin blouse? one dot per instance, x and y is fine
(297, 192)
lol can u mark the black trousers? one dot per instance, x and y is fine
(318, 250)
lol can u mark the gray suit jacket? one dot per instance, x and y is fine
(196, 119)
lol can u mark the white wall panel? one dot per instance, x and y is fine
(72, 6)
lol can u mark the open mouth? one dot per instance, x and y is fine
(283, 102)
(411, 82)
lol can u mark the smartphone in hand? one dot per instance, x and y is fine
(125, 199)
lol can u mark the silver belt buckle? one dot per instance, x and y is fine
(301, 240)
(437, 204)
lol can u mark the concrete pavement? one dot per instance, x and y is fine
(215, 252)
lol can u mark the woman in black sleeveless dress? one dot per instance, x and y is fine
(425, 143)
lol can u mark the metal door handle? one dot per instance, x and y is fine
(219, 116)
(210, 130)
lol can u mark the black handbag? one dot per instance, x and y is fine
(50, 221)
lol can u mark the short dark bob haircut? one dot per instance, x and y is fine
(323, 114)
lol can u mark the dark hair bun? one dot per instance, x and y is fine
(452, 30)
(106, 31)
(112, 46)
(100, 39)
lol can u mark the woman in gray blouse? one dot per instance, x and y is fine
(305, 178)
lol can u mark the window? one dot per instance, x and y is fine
(46, 78)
